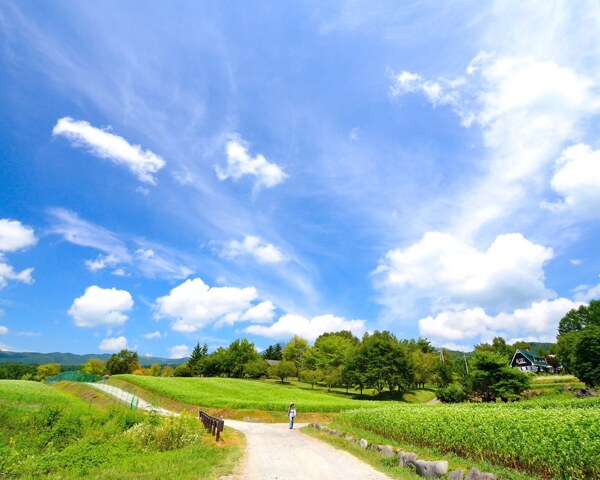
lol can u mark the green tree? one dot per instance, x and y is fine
(239, 353)
(256, 368)
(384, 362)
(444, 370)
(94, 366)
(424, 366)
(498, 346)
(126, 361)
(216, 363)
(47, 370)
(196, 360)
(282, 370)
(273, 352)
(155, 370)
(577, 319)
(492, 378)
(182, 370)
(294, 351)
(332, 350)
(311, 376)
(587, 356)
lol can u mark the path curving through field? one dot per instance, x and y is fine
(277, 453)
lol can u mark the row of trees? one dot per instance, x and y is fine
(578, 347)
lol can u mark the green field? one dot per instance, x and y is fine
(553, 439)
(48, 432)
(231, 393)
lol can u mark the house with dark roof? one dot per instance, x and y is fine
(528, 361)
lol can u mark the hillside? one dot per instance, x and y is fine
(74, 359)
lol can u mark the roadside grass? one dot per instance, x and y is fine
(48, 432)
(392, 468)
(93, 397)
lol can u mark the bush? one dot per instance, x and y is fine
(170, 433)
(182, 371)
(453, 393)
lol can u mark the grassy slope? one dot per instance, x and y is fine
(48, 432)
(245, 394)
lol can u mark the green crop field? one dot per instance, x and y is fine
(553, 439)
(231, 393)
(47, 432)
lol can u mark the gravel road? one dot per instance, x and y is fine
(277, 453)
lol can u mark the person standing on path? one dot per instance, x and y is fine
(292, 414)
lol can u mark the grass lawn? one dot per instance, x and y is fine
(229, 394)
(55, 432)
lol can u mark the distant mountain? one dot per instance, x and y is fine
(74, 359)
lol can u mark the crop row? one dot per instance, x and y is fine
(562, 443)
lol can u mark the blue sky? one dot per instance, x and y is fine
(216, 170)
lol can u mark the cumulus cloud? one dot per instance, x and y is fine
(152, 335)
(446, 270)
(101, 307)
(113, 344)
(253, 247)
(194, 305)
(537, 322)
(261, 313)
(142, 163)
(241, 163)
(577, 180)
(14, 236)
(180, 351)
(310, 329)
(3, 330)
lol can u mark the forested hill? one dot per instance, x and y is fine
(74, 359)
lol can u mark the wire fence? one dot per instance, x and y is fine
(119, 394)
(73, 376)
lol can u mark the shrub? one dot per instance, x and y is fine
(170, 433)
(453, 393)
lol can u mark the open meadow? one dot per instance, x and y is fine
(232, 393)
(48, 432)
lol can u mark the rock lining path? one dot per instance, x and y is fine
(275, 452)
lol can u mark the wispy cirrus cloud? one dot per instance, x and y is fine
(147, 258)
(104, 144)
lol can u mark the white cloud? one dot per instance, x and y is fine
(577, 180)
(261, 313)
(142, 163)
(576, 261)
(153, 335)
(526, 110)
(15, 236)
(537, 322)
(3, 330)
(148, 258)
(194, 305)
(180, 351)
(7, 273)
(113, 344)
(101, 307)
(240, 163)
(254, 247)
(448, 271)
(290, 325)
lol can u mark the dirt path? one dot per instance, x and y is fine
(277, 453)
